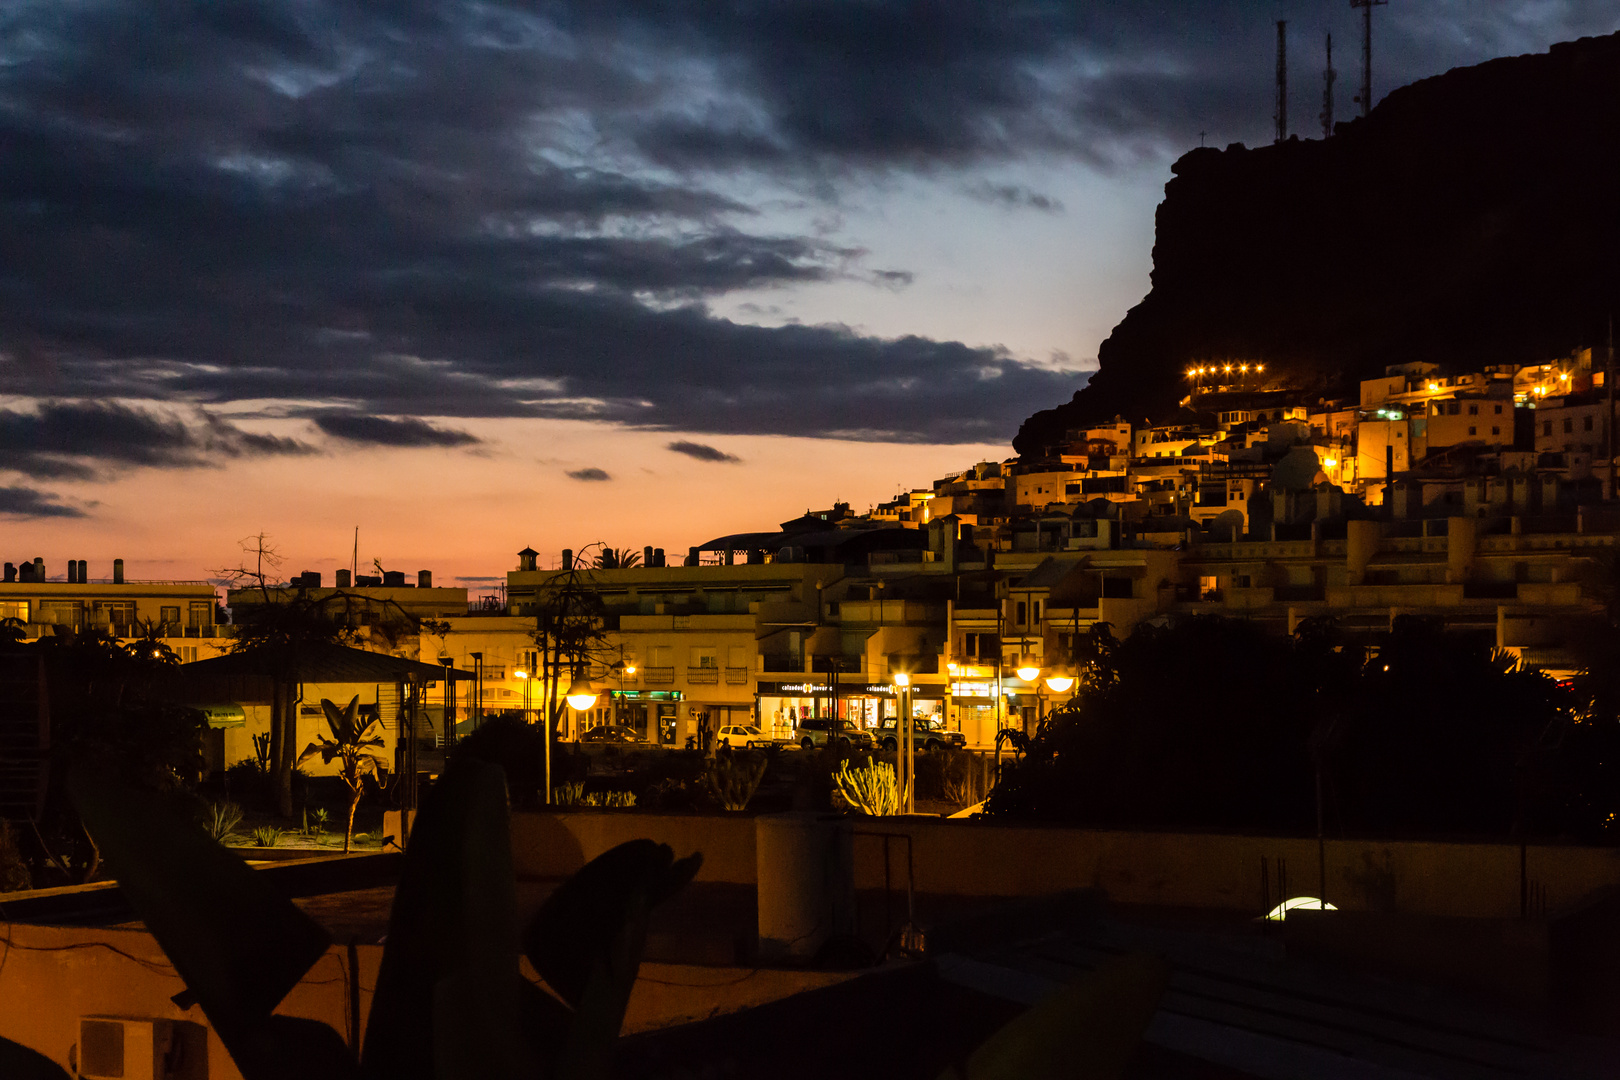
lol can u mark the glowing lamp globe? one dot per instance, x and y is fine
(581, 695)
(1059, 684)
(1029, 670)
(902, 679)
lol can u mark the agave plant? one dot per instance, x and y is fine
(350, 745)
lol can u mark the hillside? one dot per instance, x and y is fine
(1473, 218)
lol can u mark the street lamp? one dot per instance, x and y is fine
(905, 744)
(523, 677)
(581, 694)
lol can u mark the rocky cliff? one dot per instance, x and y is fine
(1473, 218)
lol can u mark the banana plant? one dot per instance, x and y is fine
(450, 1001)
(350, 744)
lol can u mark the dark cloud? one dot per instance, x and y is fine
(485, 210)
(702, 452)
(27, 503)
(591, 475)
(1015, 197)
(382, 431)
(66, 440)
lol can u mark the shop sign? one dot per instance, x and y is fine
(794, 688)
(645, 695)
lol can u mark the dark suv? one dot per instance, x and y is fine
(926, 738)
(817, 730)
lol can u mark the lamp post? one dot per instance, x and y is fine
(476, 706)
(581, 696)
(1029, 669)
(449, 700)
(523, 677)
(906, 744)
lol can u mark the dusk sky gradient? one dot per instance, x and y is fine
(480, 276)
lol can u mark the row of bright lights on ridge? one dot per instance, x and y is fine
(1216, 369)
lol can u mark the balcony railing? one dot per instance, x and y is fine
(702, 676)
(736, 676)
(658, 676)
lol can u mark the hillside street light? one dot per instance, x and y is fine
(1059, 682)
(581, 694)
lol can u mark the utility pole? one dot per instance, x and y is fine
(1328, 76)
(1282, 80)
(1608, 432)
(1366, 51)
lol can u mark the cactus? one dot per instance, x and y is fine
(610, 798)
(733, 778)
(222, 819)
(871, 789)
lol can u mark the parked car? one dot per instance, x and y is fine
(818, 730)
(735, 735)
(926, 738)
(610, 733)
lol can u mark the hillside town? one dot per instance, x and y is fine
(1479, 499)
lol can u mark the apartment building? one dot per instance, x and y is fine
(184, 614)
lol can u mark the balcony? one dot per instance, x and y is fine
(658, 676)
(736, 676)
(702, 676)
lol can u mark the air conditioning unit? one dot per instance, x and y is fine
(133, 1048)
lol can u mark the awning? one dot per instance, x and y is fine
(221, 714)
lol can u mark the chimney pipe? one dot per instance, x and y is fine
(73, 571)
(568, 559)
(424, 579)
(84, 572)
(341, 579)
(658, 556)
(118, 571)
(11, 571)
(646, 556)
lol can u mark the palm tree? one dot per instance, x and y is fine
(350, 742)
(617, 558)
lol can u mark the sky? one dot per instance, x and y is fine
(471, 277)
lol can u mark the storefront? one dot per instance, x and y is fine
(651, 714)
(780, 705)
(864, 703)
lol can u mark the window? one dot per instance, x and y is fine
(1471, 431)
(494, 672)
(1586, 422)
(660, 656)
(1473, 410)
(1569, 425)
(200, 613)
(14, 609)
(171, 615)
(1021, 615)
(1453, 408)
(705, 656)
(1498, 410)
(1546, 427)
(1496, 431)
(1035, 611)
(1240, 581)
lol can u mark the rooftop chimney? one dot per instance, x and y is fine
(568, 559)
(118, 571)
(424, 579)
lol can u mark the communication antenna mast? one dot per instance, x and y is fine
(1366, 51)
(1282, 80)
(1328, 76)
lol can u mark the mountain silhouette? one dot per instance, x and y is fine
(1472, 219)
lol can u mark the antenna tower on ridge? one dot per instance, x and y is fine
(1367, 6)
(1282, 80)
(1328, 76)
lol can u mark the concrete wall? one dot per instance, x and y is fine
(56, 974)
(1175, 869)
